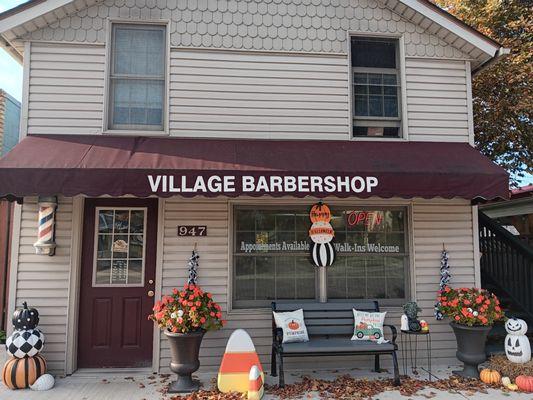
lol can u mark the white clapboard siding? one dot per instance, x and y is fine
(435, 222)
(258, 95)
(437, 100)
(43, 281)
(66, 88)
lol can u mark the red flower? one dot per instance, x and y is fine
(218, 314)
(467, 302)
(191, 297)
(209, 295)
(202, 320)
(193, 308)
(497, 308)
(457, 318)
(175, 291)
(198, 303)
(212, 314)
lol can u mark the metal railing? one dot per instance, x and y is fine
(507, 262)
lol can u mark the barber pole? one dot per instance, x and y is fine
(46, 232)
(255, 382)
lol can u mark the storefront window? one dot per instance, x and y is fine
(271, 256)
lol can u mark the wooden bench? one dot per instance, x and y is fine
(330, 327)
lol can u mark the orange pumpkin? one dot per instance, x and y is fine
(490, 376)
(20, 373)
(293, 325)
(320, 212)
(525, 383)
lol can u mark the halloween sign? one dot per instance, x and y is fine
(321, 234)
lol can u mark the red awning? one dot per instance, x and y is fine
(141, 166)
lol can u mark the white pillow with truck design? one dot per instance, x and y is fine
(368, 325)
(293, 326)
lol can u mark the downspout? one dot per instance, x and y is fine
(3, 317)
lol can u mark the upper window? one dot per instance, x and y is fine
(376, 87)
(137, 77)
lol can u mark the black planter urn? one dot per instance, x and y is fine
(184, 349)
(470, 348)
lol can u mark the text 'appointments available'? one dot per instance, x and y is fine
(225, 184)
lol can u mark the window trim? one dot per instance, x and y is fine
(106, 129)
(321, 284)
(402, 98)
(95, 248)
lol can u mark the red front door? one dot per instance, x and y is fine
(117, 283)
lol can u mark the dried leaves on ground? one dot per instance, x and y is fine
(346, 387)
(507, 368)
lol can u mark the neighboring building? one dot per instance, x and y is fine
(515, 214)
(9, 122)
(237, 116)
(9, 137)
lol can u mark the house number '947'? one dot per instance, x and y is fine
(192, 230)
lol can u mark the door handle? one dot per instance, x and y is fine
(151, 293)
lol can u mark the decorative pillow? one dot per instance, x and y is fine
(368, 326)
(293, 326)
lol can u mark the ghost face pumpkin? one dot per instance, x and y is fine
(517, 348)
(515, 326)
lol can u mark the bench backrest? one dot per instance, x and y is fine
(326, 319)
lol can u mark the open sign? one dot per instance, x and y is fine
(366, 218)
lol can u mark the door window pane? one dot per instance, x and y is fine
(119, 253)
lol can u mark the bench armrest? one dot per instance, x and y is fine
(394, 332)
(278, 335)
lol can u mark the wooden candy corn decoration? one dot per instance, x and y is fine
(255, 384)
(238, 359)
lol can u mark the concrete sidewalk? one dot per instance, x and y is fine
(141, 386)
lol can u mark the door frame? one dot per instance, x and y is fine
(78, 209)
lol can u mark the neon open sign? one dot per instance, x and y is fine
(366, 218)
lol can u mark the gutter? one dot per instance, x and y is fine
(501, 52)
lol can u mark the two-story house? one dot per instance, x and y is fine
(151, 121)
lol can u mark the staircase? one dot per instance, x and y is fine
(507, 271)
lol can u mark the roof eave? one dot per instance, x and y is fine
(11, 50)
(502, 52)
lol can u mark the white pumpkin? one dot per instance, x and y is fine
(44, 382)
(517, 347)
(515, 326)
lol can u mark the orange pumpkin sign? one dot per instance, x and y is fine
(525, 383)
(320, 213)
(293, 325)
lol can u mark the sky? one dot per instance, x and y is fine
(10, 70)
(11, 73)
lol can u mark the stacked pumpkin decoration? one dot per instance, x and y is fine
(26, 365)
(321, 234)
